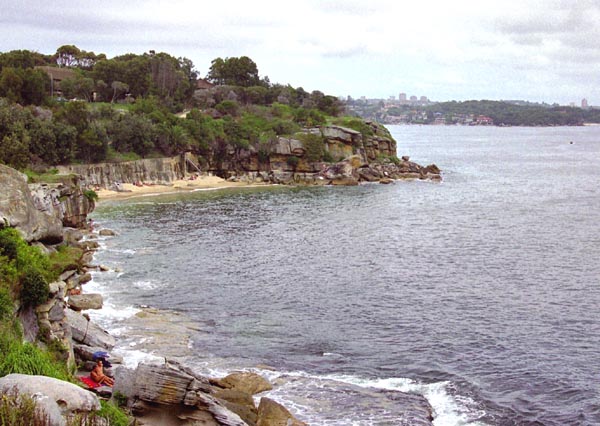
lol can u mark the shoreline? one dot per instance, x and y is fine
(129, 190)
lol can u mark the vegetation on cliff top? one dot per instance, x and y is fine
(24, 276)
(136, 98)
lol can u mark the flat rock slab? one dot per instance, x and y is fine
(79, 302)
(87, 332)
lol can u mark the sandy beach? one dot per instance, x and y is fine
(203, 182)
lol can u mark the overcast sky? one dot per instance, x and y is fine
(538, 50)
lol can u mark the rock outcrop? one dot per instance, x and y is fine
(284, 161)
(107, 175)
(65, 201)
(170, 393)
(18, 209)
(87, 332)
(55, 399)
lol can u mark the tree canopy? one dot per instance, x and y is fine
(240, 71)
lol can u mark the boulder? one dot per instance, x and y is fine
(342, 173)
(59, 400)
(386, 181)
(247, 382)
(344, 134)
(72, 235)
(18, 210)
(161, 384)
(171, 394)
(80, 302)
(107, 233)
(87, 332)
(85, 278)
(271, 413)
(240, 403)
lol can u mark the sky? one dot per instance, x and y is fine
(535, 50)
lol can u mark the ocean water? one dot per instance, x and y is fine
(480, 293)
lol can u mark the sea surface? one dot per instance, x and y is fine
(481, 293)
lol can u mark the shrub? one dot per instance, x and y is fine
(228, 108)
(20, 411)
(26, 358)
(113, 414)
(90, 194)
(293, 161)
(314, 146)
(34, 288)
(8, 244)
(64, 259)
(284, 127)
(6, 304)
(327, 157)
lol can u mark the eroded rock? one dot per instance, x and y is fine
(60, 400)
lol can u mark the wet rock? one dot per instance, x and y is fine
(107, 233)
(386, 181)
(171, 391)
(87, 332)
(80, 302)
(67, 274)
(247, 382)
(85, 278)
(271, 413)
(72, 235)
(240, 403)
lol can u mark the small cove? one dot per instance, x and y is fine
(480, 292)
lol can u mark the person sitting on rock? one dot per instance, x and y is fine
(98, 375)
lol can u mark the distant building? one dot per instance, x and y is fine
(584, 103)
(56, 76)
(402, 97)
(392, 98)
(202, 84)
(413, 99)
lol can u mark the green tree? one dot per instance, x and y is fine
(234, 71)
(119, 88)
(11, 84)
(78, 87)
(67, 55)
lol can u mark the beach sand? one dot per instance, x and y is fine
(203, 182)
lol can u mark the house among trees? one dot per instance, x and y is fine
(57, 75)
(202, 84)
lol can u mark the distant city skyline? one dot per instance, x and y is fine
(403, 97)
(536, 50)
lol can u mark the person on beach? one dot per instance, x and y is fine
(98, 375)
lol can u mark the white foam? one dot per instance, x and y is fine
(111, 313)
(448, 410)
(146, 284)
(132, 357)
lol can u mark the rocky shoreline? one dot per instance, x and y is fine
(166, 393)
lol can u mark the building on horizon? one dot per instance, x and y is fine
(584, 103)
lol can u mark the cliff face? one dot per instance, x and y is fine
(286, 161)
(39, 211)
(105, 175)
(18, 209)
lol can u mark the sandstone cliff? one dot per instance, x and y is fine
(18, 209)
(287, 161)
